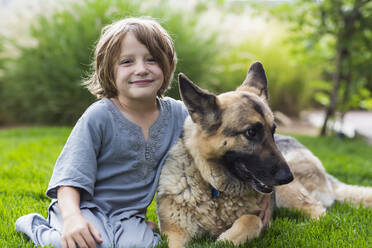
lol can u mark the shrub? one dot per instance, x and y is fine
(3, 113)
(43, 84)
(290, 82)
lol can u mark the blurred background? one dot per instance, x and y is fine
(317, 55)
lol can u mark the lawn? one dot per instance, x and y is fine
(27, 157)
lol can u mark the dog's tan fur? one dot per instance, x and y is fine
(185, 205)
(190, 191)
(312, 189)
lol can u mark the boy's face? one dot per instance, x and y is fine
(137, 75)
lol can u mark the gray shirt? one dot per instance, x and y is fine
(107, 156)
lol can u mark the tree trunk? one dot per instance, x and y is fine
(342, 55)
(337, 77)
(346, 96)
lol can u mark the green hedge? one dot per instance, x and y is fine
(2, 71)
(43, 84)
(291, 83)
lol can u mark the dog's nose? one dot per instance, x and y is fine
(284, 176)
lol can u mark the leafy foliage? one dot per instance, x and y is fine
(43, 84)
(290, 83)
(338, 35)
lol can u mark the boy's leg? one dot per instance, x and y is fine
(94, 216)
(134, 232)
(43, 232)
(38, 230)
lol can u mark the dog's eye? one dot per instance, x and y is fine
(250, 133)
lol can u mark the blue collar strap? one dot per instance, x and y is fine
(215, 192)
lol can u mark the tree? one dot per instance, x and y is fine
(337, 33)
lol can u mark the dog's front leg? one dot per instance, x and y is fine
(177, 236)
(176, 239)
(245, 228)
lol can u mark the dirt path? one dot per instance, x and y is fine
(356, 123)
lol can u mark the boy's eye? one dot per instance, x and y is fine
(125, 61)
(151, 59)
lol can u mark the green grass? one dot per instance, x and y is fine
(27, 157)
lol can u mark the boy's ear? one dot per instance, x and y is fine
(203, 106)
(256, 81)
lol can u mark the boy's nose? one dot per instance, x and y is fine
(141, 68)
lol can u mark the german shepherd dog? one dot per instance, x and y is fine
(220, 176)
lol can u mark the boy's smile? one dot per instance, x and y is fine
(142, 82)
(137, 75)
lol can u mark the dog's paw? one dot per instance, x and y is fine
(245, 228)
(316, 212)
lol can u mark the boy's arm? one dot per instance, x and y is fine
(77, 231)
(68, 201)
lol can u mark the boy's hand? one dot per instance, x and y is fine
(78, 232)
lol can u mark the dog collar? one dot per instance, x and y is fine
(215, 192)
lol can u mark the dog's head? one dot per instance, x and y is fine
(234, 132)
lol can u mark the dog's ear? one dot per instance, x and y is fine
(256, 81)
(203, 106)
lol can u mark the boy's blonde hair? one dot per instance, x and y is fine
(150, 33)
